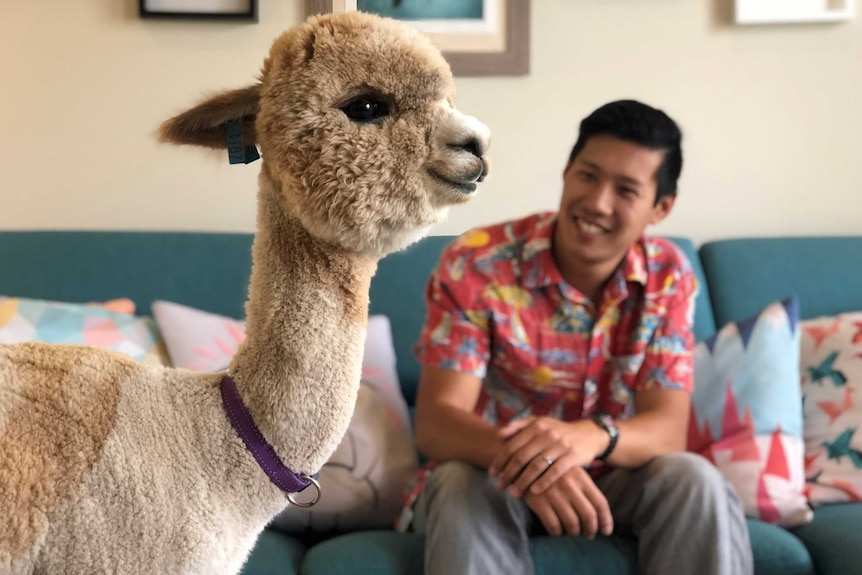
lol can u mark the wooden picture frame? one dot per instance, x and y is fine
(512, 58)
(200, 9)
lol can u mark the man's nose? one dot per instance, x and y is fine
(600, 198)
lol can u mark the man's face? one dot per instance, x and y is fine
(609, 193)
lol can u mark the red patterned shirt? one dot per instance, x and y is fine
(499, 309)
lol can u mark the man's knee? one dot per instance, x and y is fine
(687, 471)
(456, 480)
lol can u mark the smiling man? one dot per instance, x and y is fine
(557, 372)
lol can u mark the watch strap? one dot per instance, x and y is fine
(607, 423)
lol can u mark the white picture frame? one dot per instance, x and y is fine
(793, 11)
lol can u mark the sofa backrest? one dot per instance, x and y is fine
(745, 275)
(210, 271)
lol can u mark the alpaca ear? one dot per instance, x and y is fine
(206, 124)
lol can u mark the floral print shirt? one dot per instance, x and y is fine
(499, 309)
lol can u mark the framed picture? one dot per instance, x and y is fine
(477, 37)
(793, 11)
(203, 9)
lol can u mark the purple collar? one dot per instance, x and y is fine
(259, 447)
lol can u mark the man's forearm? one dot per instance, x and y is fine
(641, 440)
(648, 435)
(446, 433)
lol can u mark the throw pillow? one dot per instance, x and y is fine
(746, 412)
(198, 340)
(831, 361)
(119, 305)
(25, 320)
(363, 481)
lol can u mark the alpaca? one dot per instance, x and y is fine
(111, 466)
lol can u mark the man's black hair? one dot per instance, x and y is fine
(638, 123)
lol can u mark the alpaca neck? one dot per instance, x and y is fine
(298, 370)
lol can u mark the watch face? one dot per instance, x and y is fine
(606, 421)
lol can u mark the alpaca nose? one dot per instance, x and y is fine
(472, 146)
(476, 147)
(468, 134)
(476, 140)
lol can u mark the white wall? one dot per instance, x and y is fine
(772, 115)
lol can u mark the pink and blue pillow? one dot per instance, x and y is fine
(747, 412)
(108, 325)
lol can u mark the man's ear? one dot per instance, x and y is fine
(204, 125)
(662, 209)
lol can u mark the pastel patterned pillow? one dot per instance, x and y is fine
(364, 479)
(831, 361)
(93, 324)
(746, 416)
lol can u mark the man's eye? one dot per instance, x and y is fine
(588, 177)
(366, 109)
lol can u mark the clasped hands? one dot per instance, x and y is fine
(543, 460)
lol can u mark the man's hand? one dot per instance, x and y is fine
(573, 505)
(542, 450)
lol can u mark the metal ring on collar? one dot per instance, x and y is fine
(312, 483)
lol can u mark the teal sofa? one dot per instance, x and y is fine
(210, 271)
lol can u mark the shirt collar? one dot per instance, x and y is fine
(540, 270)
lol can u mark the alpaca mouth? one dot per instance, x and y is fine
(464, 186)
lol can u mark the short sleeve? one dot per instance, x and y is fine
(455, 334)
(668, 362)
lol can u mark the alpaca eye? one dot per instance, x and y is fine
(366, 109)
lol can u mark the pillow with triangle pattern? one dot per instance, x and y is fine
(747, 412)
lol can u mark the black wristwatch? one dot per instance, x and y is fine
(607, 423)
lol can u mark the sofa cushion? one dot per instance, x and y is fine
(369, 553)
(831, 360)
(747, 415)
(776, 552)
(614, 555)
(834, 539)
(275, 554)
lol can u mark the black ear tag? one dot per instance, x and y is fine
(237, 152)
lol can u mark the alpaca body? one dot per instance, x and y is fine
(111, 466)
(188, 498)
(157, 508)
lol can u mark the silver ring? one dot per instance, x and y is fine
(312, 483)
(548, 460)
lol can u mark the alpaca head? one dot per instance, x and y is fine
(355, 121)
